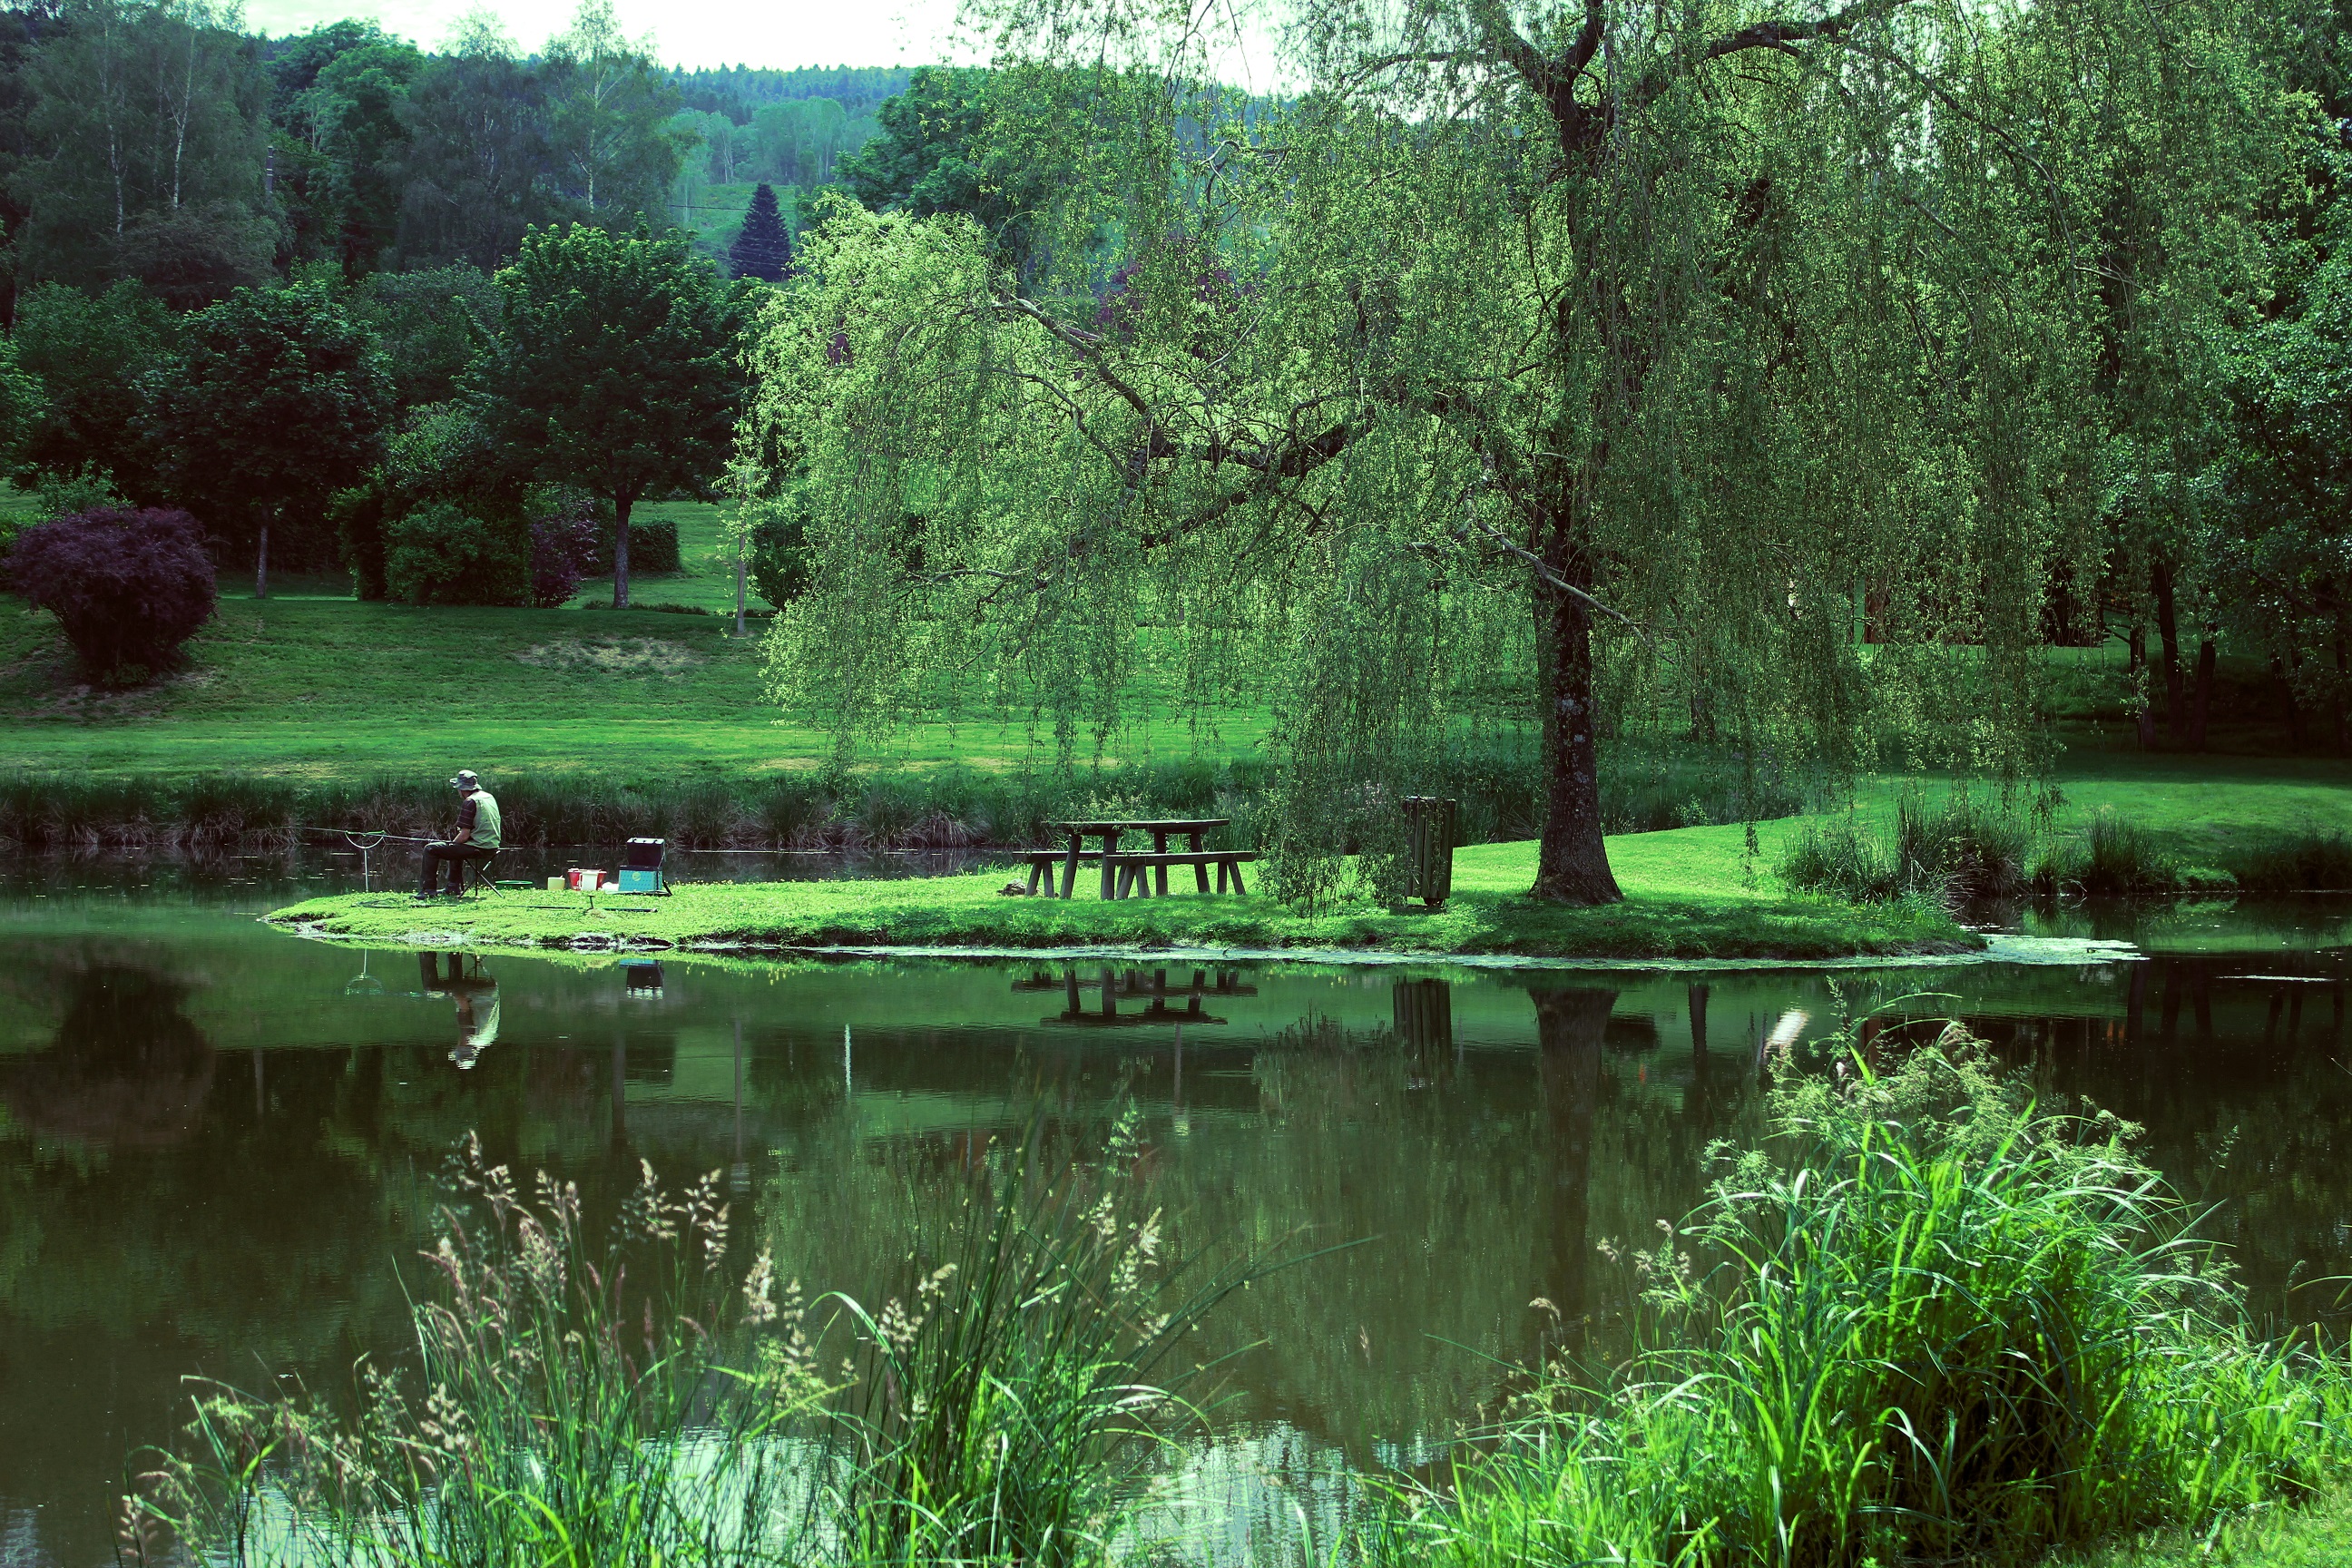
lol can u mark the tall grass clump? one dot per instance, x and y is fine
(1009, 1411)
(571, 1404)
(1927, 1321)
(2311, 862)
(2120, 856)
(636, 1402)
(1960, 850)
(1843, 857)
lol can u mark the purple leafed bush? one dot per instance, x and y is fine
(561, 544)
(129, 586)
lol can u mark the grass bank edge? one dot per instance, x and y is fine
(1690, 894)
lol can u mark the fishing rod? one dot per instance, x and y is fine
(375, 835)
(366, 839)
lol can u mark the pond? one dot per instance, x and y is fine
(219, 1144)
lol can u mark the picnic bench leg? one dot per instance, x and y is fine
(1200, 872)
(1036, 869)
(1221, 876)
(1070, 867)
(1160, 872)
(1110, 864)
(1238, 887)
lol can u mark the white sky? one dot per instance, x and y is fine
(685, 32)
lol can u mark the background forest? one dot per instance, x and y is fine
(1807, 428)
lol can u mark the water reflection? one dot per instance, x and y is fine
(475, 994)
(125, 1069)
(217, 1147)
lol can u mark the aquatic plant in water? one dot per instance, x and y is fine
(571, 1403)
(1928, 1321)
(641, 1403)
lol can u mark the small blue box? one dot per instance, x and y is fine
(641, 863)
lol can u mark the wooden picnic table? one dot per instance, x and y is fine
(1111, 830)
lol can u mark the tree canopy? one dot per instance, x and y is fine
(762, 248)
(1709, 369)
(275, 400)
(618, 367)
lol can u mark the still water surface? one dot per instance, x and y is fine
(218, 1145)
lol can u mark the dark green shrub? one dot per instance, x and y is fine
(439, 554)
(780, 567)
(357, 516)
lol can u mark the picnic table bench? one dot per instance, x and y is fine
(1126, 874)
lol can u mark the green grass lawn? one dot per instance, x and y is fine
(2317, 1535)
(1689, 894)
(310, 685)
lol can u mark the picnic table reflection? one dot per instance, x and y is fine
(1153, 990)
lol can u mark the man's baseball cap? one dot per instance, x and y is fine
(465, 779)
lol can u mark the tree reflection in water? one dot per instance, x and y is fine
(127, 1068)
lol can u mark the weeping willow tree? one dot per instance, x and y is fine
(1704, 365)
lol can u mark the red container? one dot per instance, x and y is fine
(583, 881)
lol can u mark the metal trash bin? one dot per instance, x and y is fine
(1428, 848)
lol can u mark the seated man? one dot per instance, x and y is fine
(477, 837)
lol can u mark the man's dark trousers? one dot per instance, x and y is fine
(457, 855)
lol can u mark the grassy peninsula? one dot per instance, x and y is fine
(1690, 894)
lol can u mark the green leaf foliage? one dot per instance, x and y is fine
(87, 351)
(1697, 372)
(274, 401)
(438, 554)
(618, 366)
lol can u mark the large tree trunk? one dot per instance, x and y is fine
(1572, 863)
(2203, 703)
(621, 505)
(2175, 712)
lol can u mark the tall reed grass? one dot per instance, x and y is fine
(641, 1403)
(1929, 1322)
(1016, 1412)
(1498, 786)
(570, 1404)
(2314, 862)
(1952, 851)
(2120, 856)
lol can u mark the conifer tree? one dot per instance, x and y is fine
(764, 249)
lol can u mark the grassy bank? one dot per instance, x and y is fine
(2165, 824)
(1690, 894)
(932, 808)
